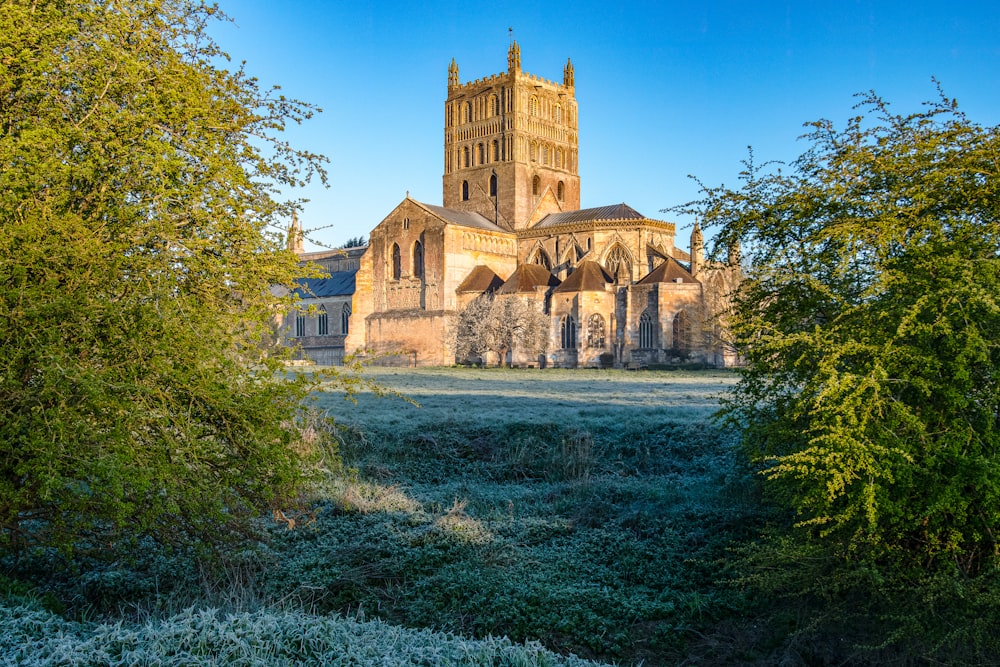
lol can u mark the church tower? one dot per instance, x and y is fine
(511, 144)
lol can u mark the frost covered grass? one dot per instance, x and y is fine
(591, 513)
(34, 636)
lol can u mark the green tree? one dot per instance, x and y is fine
(138, 256)
(869, 318)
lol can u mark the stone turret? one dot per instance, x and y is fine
(453, 74)
(514, 58)
(295, 236)
(697, 250)
(568, 74)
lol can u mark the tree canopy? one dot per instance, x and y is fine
(139, 252)
(869, 318)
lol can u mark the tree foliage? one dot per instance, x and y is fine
(495, 324)
(138, 198)
(870, 321)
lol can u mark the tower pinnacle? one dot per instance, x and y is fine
(514, 57)
(568, 74)
(452, 74)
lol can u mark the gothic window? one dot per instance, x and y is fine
(559, 159)
(465, 191)
(533, 106)
(618, 264)
(536, 185)
(682, 332)
(465, 157)
(493, 106)
(496, 150)
(418, 260)
(647, 331)
(482, 154)
(345, 319)
(561, 191)
(595, 331)
(323, 322)
(468, 113)
(567, 332)
(493, 185)
(533, 152)
(396, 270)
(300, 325)
(558, 113)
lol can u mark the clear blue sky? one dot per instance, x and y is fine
(665, 89)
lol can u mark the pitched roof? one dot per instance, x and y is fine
(480, 279)
(528, 277)
(463, 218)
(614, 212)
(588, 276)
(669, 271)
(340, 283)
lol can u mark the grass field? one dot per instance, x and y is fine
(589, 512)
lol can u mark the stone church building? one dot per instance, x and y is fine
(613, 285)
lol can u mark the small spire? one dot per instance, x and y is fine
(568, 74)
(295, 235)
(697, 249)
(452, 74)
(514, 57)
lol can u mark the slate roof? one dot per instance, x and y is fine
(668, 272)
(463, 218)
(614, 212)
(340, 283)
(480, 279)
(588, 276)
(527, 277)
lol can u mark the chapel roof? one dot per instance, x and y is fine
(463, 218)
(614, 212)
(588, 276)
(340, 283)
(669, 271)
(480, 279)
(528, 277)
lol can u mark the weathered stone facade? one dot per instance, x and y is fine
(614, 286)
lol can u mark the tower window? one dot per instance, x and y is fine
(493, 185)
(465, 191)
(533, 106)
(494, 105)
(496, 150)
(482, 154)
(558, 113)
(561, 191)
(465, 157)
(536, 185)
(467, 114)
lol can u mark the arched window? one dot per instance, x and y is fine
(558, 113)
(682, 332)
(561, 191)
(533, 152)
(396, 264)
(300, 325)
(465, 191)
(496, 150)
(465, 157)
(345, 319)
(418, 260)
(559, 158)
(595, 331)
(545, 154)
(482, 154)
(567, 332)
(619, 264)
(493, 185)
(536, 185)
(647, 331)
(493, 106)
(533, 106)
(542, 259)
(323, 322)
(467, 114)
